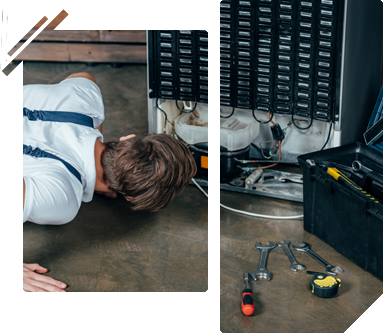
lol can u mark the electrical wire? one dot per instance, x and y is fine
(263, 154)
(232, 112)
(301, 128)
(270, 119)
(183, 111)
(328, 137)
(279, 159)
(264, 122)
(166, 116)
(255, 161)
(167, 121)
(248, 213)
(279, 147)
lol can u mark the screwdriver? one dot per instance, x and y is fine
(247, 303)
(341, 178)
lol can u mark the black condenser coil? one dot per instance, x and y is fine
(281, 56)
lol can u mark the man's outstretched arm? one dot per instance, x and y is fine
(24, 279)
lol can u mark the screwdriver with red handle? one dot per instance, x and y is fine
(247, 304)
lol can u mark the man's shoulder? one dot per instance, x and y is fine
(83, 75)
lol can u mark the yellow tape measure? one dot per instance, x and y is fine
(323, 285)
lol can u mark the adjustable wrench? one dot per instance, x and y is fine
(329, 268)
(262, 271)
(294, 264)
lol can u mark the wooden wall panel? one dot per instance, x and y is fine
(49, 14)
(44, 52)
(122, 21)
(118, 25)
(127, 15)
(124, 53)
(86, 52)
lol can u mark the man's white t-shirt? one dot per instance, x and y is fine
(53, 195)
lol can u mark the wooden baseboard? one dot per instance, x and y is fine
(73, 52)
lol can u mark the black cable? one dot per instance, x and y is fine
(228, 115)
(166, 116)
(301, 128)
(263, 122)
(195, 105)
(328, 137)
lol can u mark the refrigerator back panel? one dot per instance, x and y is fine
(281, 56)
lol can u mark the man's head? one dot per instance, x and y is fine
(149, 169)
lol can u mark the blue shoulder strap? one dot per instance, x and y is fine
(56, 116)
(59, 116)
(37, 152)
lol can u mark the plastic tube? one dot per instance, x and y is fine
(244, 212)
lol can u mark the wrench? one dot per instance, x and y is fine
(329, 268)
(375, 176)
(294, 264)
(262, 271)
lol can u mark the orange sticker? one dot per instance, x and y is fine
(209, 163)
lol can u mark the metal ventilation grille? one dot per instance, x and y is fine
(205, 46)
(324, 59)
(279, 56)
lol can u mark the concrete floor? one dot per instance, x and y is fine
(177, 270)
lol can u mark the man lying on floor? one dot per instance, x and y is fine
(65, 161)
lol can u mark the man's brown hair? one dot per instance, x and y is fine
(152, 169)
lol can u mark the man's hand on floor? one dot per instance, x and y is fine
(25, 280)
